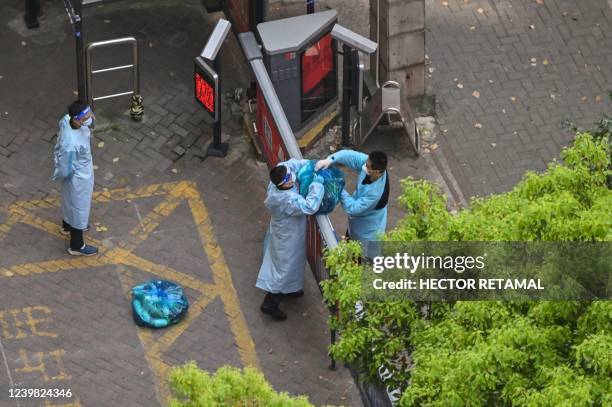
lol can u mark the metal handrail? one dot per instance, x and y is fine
(255, 58)
(134, 66)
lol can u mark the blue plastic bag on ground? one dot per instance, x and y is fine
(158, 303)
(333, 185)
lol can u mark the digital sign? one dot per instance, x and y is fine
(206, 87)
(318, 76)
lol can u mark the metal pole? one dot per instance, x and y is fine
(346, 95)
(253, 54)
(310, 6)
(80, 50)
(217, 148)
(32, 11)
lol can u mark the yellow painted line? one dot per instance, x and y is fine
(123, 194)
(151, 221)
(148, 266)
(160, 370)
(164, 343)
(223, 279)
(38, 203)
(119, 194)
(45, 225)
(155, 347)
(52, 266)
(123, 256)
(157, 366)
(6, 227)
(313, 133)
(76, 403)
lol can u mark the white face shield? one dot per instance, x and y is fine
(289, 176)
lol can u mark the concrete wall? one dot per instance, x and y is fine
(401, 43)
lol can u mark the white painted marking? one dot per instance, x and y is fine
(140, 216)
(8, 370)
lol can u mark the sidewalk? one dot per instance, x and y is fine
(160, 210)
(506, 75)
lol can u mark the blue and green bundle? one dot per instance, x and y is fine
(158, 303)
(333, 185)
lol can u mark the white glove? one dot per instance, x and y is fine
(321, 164)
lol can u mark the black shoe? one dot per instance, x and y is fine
(296, 294)
(275, 313)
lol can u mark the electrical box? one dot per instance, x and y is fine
(301, 58)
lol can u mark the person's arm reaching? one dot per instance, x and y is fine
(349, 158)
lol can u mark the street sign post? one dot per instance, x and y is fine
(207, 85)
(206, 89)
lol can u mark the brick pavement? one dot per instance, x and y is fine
(110, 361)
(105, 359)
(534, 65)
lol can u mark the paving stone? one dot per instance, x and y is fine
(503, 37)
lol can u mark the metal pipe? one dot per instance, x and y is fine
(378, 42)
(136, 63)
(89, 85)
(99, 44)
(217, 126)
(114, 95)
(327, 231)
(80, 50)
(116, 68)
(346, 95)
(89, 73)
(253, 55)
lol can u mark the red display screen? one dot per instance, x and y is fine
(317, 62)
(318, 76)
(204, 93)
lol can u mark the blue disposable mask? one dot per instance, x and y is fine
(88, 122)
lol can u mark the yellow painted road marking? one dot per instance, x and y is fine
(51, 266)
(223, 279)
(122, 256)
(120, 194)
(5, 227)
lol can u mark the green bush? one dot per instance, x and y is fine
(228, 387)
(489, 353)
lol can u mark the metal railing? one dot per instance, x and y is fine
(320, 232)
(133, 66)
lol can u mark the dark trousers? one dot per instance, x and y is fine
(76, 236)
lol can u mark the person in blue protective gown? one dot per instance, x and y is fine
(74, 168)
(367, 206)
(282, 270)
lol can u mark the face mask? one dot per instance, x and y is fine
(88, 122)
(365, 169)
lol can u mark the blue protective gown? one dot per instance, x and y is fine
(282, 269)
(74, 167)
(365, 222)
